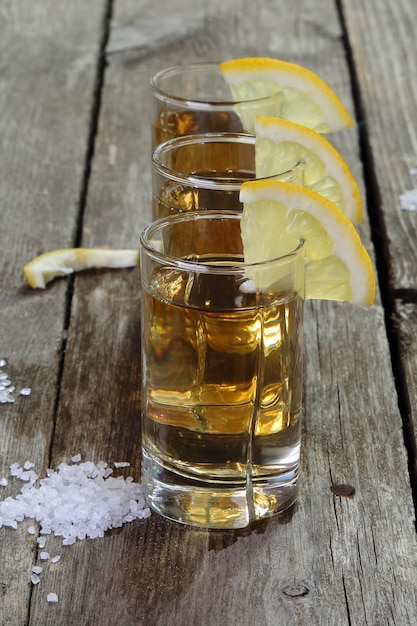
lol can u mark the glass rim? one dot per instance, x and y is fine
(204, 266)
(195, 103)
(202, 181)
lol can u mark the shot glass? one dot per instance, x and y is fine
(195, 98)
(200, 172)
(222, 351)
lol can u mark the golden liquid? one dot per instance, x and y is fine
(170, 124)
(218, 161)
(223, 384)
(174, 197)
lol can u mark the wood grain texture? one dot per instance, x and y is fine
(48, 58)
(386, 68)
(383, 42)
(331, 560)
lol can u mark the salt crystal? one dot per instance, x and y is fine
(6, 396)
(76, 458)
(41, 541)
(55, 559)
(408, 200)
(69, 541)
(31, 530)
(28, 465)
(4, 482)
(35, 579)
(118, 464)
(52, 597)
(44, 556)
(28, 476)
(3, 362)
(26, 391)
(37, 569)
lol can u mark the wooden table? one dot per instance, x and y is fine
(74, 170)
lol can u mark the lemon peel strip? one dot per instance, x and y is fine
(45, 267)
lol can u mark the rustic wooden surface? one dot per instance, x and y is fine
(75, 137)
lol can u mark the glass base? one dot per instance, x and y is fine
(218, 505)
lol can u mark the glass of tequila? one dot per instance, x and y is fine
(195, 98)
(222, 350)
(199, 172)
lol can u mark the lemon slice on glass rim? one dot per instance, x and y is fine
(280, 145)
(45, 267)
(297, 93)
(277, 215)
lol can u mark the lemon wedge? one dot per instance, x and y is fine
(42, 269)
(277, 215)
(297, 93)
(281, 144)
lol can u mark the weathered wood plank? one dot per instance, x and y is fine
(383, 42)
(356, 557)
(47, 73)
(386, 67)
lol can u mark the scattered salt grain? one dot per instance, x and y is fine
(37, 569)
(76, 458)
(24, 473)
(31, 530)
(74, 502)
(408, 200)
(3, 482)
(44, 556)
(35, 579)
(56, 558)
(118, 464)
(6, 395)
(6, 387)
(52, 597)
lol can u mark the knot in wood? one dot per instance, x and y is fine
(343, 490)
(296, 591)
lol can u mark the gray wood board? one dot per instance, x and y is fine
(47, 78)
(384, 53)
(384, 50)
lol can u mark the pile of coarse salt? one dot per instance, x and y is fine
(77, 501)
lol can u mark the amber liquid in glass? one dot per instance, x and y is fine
(171, 123)
(222, 410)
(226, 163)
